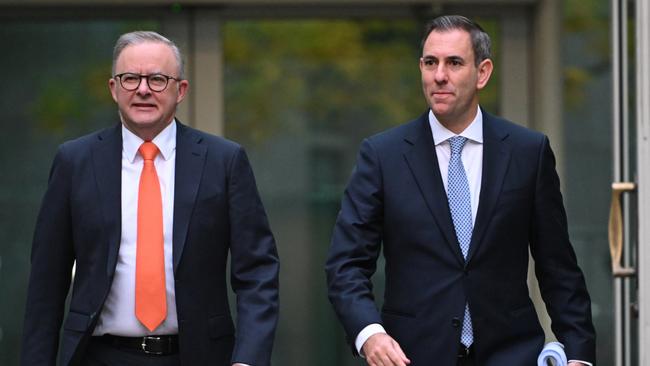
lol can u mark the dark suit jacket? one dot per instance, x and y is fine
(396, 197)
(217, 210)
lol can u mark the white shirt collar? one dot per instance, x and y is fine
(473, 132)
(165, 140)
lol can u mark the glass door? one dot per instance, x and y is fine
(51, 94)
(629, 164)
(300, 95)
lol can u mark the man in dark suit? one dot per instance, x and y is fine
(148, 211)
(457, 197)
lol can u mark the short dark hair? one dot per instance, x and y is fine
(480, 39)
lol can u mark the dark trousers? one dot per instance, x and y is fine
(100, 353)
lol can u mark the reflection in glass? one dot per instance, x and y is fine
(55, 88)
(588, 154)
(300, 95)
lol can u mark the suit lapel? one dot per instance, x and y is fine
(190, 160)
(107, 166)
(496, 157)
(423, 163)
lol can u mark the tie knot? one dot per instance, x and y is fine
(148, 150)
(457, 143)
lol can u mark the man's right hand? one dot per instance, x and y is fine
(382, 350)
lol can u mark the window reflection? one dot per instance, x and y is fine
(300, 95)
(54, 89)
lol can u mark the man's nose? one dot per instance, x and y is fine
(440, 74)
(143, 88)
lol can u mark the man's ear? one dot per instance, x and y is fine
(484, 72)
(183, 87)
(112, 84)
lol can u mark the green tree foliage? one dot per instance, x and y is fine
(587, 27)
(351, 77)
(343, 76)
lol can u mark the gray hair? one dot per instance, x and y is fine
(139, 37)
(480, 39)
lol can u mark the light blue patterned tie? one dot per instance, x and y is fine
(460, 206)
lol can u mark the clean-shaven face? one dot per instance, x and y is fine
(143, 111)
(450, 78)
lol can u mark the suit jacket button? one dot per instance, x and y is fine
(455, 322)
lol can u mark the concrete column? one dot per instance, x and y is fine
(207, 75)
(546, 104)
(515, 103)
(198, 35)
(177, 28)
(548, 76)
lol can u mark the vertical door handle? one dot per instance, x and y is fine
(616, 229)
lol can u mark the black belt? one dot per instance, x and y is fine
(465, 352)
(151, 345)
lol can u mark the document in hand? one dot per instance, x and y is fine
(552, 355)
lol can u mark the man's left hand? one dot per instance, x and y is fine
(575, 364)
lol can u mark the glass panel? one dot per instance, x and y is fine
(588, 154)
(55, 88)
(300, 96)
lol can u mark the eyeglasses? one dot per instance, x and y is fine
(155, 82)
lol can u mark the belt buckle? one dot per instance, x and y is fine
(145, 345)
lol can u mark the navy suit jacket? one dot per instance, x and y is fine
(396, 197)
(217, 211)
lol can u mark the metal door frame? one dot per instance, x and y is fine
(643, 170)
(621, 172)
(630, 276)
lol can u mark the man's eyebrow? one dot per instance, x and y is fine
(456, 58)
(449, 58)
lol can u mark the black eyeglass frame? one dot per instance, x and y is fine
(146, 77)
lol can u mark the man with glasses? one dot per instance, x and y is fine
(457, 198)
(148, 211)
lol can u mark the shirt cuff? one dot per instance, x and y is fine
(582, 362)
(375, 328)
(366, 333)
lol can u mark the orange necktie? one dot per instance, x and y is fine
(150, 294)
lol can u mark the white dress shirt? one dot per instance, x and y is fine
(118, 314)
